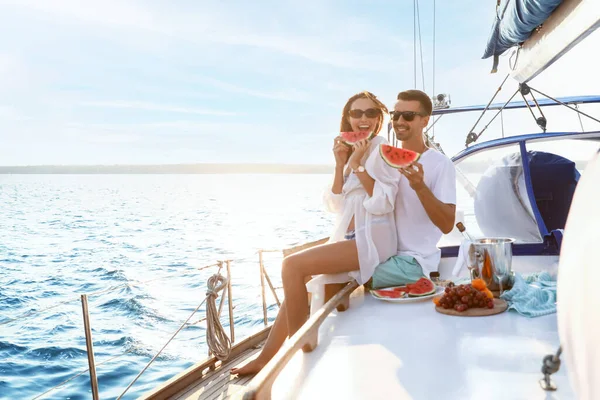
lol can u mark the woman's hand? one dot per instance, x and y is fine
(340, 151)
(359, 150)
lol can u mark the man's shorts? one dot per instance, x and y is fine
(396, 271)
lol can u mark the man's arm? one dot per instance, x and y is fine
(441, 214)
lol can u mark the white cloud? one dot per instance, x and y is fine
(108, 12)
(140, 105)
(13, 73)
(293, 95)
(331, 44)
(69, 65)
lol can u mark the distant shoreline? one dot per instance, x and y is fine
(170, 169)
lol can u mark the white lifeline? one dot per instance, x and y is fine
(376, 238)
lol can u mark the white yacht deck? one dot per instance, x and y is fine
(382, 350)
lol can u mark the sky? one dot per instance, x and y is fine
(155, 82)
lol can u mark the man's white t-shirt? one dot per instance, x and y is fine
(417, 235)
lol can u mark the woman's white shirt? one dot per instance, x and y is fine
(374, 223)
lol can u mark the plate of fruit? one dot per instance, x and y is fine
(469, 300)
(417, 291)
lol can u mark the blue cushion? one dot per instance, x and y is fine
(554, 179)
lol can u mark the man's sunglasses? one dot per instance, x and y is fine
(369, 112)
(406, 115)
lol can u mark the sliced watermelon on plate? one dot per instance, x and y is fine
(387, 293)
(396, 157)
(422, 287)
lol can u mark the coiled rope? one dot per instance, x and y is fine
(217, 340)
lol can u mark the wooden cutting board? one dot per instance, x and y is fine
(500, 306)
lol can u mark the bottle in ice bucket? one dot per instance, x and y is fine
(472, 255)
(461, 228)
(490, 259)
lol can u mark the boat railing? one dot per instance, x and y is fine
(264, 276)
(305, 338)
(213, 360)
(220, 284)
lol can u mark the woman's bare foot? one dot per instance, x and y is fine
(252, 367)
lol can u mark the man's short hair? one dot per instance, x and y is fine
(417, 95)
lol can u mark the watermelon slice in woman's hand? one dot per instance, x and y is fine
(349, 138)
(396, 157)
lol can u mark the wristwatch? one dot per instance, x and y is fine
(359, 169)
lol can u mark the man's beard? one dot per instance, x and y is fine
(406, 133)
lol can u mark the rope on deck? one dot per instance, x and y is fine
(217, 340)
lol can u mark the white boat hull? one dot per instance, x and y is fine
(577, 292)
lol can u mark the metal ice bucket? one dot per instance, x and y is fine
(491, 260)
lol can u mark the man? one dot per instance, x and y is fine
(426, 201)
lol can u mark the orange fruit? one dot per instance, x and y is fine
(479, 284)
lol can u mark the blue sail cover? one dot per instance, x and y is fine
(516, 22)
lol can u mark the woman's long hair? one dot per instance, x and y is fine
(345, 124)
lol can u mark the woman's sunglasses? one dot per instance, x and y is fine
(369, 112)
(406, 115)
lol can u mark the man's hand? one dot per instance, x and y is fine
(359, 150)
(414, 174)
(441, 214)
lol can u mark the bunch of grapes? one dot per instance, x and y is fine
(463, 297)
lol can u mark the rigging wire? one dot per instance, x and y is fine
(435, 120)
(528, 106)
(488, 106)
(471, 137)
(83, 372)
(104, 291)
(433, 66)
(420, 45)
(433, 69)
(217, 340)
(161, 350)
(579, 116)
(415, 42)
(566, 105)
(35, 312)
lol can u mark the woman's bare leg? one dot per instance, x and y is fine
(279, 331)
(329, 258)
(275, 340)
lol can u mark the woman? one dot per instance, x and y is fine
(362, 195)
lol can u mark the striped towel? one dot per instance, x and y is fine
(533, 295)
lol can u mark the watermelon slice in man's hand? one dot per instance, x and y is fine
(396, 157)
